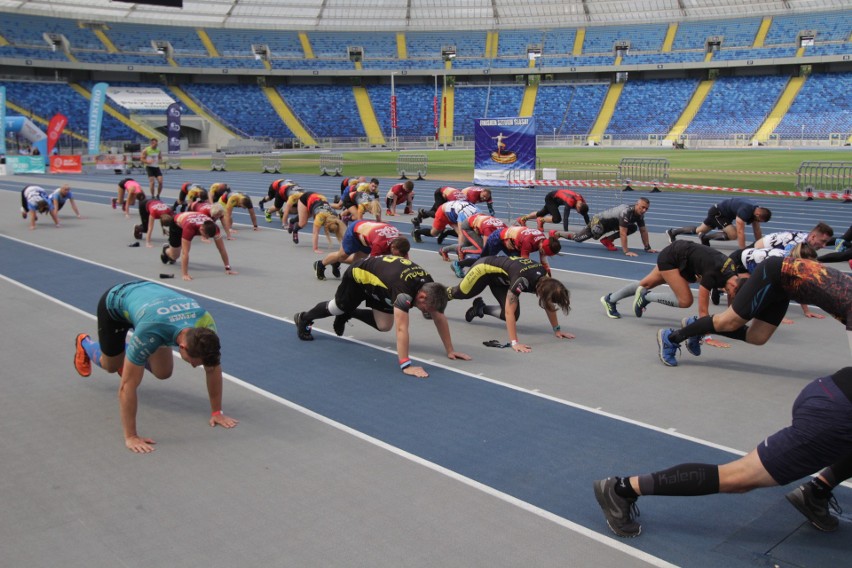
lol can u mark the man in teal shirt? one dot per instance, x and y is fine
(161, 318)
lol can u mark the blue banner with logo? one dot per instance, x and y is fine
(173, 128)
(2, 120)
(504, 148)
(96, 115)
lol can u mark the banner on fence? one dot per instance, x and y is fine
(503, 145)
(66, 164)
(109, 161)
(25, 164)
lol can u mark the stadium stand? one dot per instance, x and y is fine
(822, 107)
(736, 105)
(649, 107)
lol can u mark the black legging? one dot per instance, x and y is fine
(839, 256)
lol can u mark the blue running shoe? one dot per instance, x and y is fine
(639, 301)
(693, 344)
(611, 312)
(668, 350)
(458, 269)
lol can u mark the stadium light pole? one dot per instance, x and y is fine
(393, 111)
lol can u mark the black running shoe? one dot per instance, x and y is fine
(335, 270)
(814, 508)
(339, 324)
(164, 258)
(319, 269)
(619, 511)
(296, 237)
(303, 327)
(477, 310)
(137, 232)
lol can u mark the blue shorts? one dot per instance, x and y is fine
(351, 244)
(820, 435)
(494, 245)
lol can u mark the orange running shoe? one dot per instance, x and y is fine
(81, 359)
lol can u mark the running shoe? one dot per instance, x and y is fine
(607, 242)
(388, 212)
(668, 350)
(704, 240)
(459, 271)
(296, 237)
(339, 324)
(23, 213)
(335, 270)
(693, 344)
(841, 245)
(611, 311)
(670, 235)
(407, 211)
(164, 258)
(415, 235)
(477, 310)
(619, 511)
(319, 269)
(816, 509)
(440, 238)
(114, 202)
(137, 232)
(444, 255)
(640, 302)
(539, 222)
(522, 220)
(81, 359)
(303, 327)
(267, 214)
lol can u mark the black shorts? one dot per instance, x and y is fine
(153, 171)
(112, 330)
(350, 295)
(668, 258)
(763, 297)
(715, 220)
(820, 435)
(175, 235)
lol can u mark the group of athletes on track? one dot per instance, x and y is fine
(759, 282)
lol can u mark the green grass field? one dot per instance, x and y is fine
(751, 168)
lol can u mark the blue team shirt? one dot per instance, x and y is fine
(737, 207)
(157, 314)
(57, 195)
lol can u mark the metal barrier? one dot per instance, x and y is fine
(824, 176)
(217, 162)
(331, 163)
(173, 162)
(654, 170)
(411, 163)
(271, 164)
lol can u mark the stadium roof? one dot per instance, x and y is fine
(411, 15)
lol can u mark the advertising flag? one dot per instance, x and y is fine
(54, 131)
(504, 148)
(173, 128)
(2, 120)
(96, 114)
